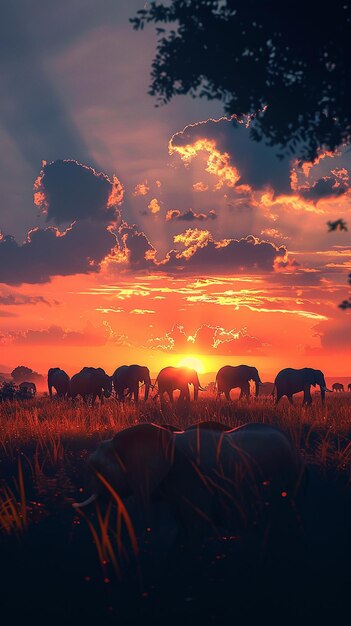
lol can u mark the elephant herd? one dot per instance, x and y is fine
(340, 387)
(92, 383)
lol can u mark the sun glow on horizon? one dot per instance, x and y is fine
(194, 362)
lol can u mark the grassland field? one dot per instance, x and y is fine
(67, 567)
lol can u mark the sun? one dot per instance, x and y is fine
(194, 362)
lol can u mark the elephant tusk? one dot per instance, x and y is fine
(201, 388)
(80, 505)
(326, 389)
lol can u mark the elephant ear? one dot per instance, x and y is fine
(145, 453)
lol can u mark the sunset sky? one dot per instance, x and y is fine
(155, 235)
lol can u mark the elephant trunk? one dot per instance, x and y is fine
(323, 390)
(258, 382)
(196, 392)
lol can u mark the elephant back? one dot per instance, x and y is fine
(80, 382)
(270, 455)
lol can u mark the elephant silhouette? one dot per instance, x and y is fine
(229, 377)
(171, 379)
(349, 387)
(210, 478)
(60, 381)
(338, 387)
(91, 383)
(290, 381)
(126, 379)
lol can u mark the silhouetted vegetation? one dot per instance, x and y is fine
(21, 374)
(293, 58)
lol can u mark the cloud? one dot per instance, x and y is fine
(327, 186)
(232, 155)
(208, 339)
(134, 251)
(82, 246)
(141, 189)
(189, 216)
(48, 252)
(227, 255)
(140, 311)
(56, 335)
(202, 253)
(334, 334)
(17, 299)
(154, 206)
(66, 190)
(200, 186)
(272, 232)
(248, 169)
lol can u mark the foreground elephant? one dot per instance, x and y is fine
(127, 378)
(209, 478)
(91, 383)
(290, 381)
(338, 387)
(170, 379)
(211, 425)
(229, 377)
(60, 381)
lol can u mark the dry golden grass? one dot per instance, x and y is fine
(46, 427)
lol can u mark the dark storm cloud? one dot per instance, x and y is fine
(231, 255)
(135, 248)
(202, 253)
(189, 216)
(257, 163)
(47, 253)
(81, 247)
(326, 187)
(68, 190)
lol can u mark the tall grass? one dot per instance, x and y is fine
(48, 428)
(13, 509)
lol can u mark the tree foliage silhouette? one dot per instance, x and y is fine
(22, 373)
(287, 62)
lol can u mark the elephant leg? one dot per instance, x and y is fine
(136, 393)
(186, 394)
(290, 398)
(227, 394)
(244, 390)
(50, 391)
(307, 398)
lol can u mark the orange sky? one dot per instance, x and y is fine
(156, 239)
